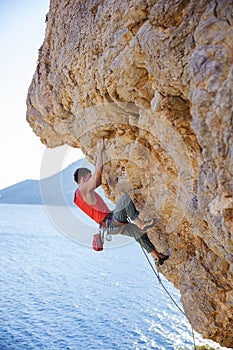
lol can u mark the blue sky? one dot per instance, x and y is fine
(22, 28)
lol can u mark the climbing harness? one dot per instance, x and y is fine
(170, 296)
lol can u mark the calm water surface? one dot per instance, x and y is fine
(56, 294)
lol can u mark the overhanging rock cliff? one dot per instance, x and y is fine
(155, 79)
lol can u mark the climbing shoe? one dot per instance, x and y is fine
(164, 258)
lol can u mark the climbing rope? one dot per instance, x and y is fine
(170, 296)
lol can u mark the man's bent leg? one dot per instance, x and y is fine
(125, 209)
(145, 243)
(142, 238)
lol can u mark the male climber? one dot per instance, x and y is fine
(93, 205)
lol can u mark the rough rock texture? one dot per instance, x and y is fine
(155, 78)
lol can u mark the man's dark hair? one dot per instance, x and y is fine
(79, 173)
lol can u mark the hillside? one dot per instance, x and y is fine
(25, 192)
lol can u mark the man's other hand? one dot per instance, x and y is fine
(100, 145)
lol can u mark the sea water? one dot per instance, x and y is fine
(57, 294)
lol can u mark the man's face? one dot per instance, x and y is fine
(87, 177)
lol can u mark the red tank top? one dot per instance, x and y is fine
(97, 212)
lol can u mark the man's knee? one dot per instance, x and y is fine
(125, 200)
(125, 197)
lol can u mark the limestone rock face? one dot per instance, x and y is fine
(155, 79)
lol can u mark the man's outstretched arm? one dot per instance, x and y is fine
(96, 178)
(99, 162)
